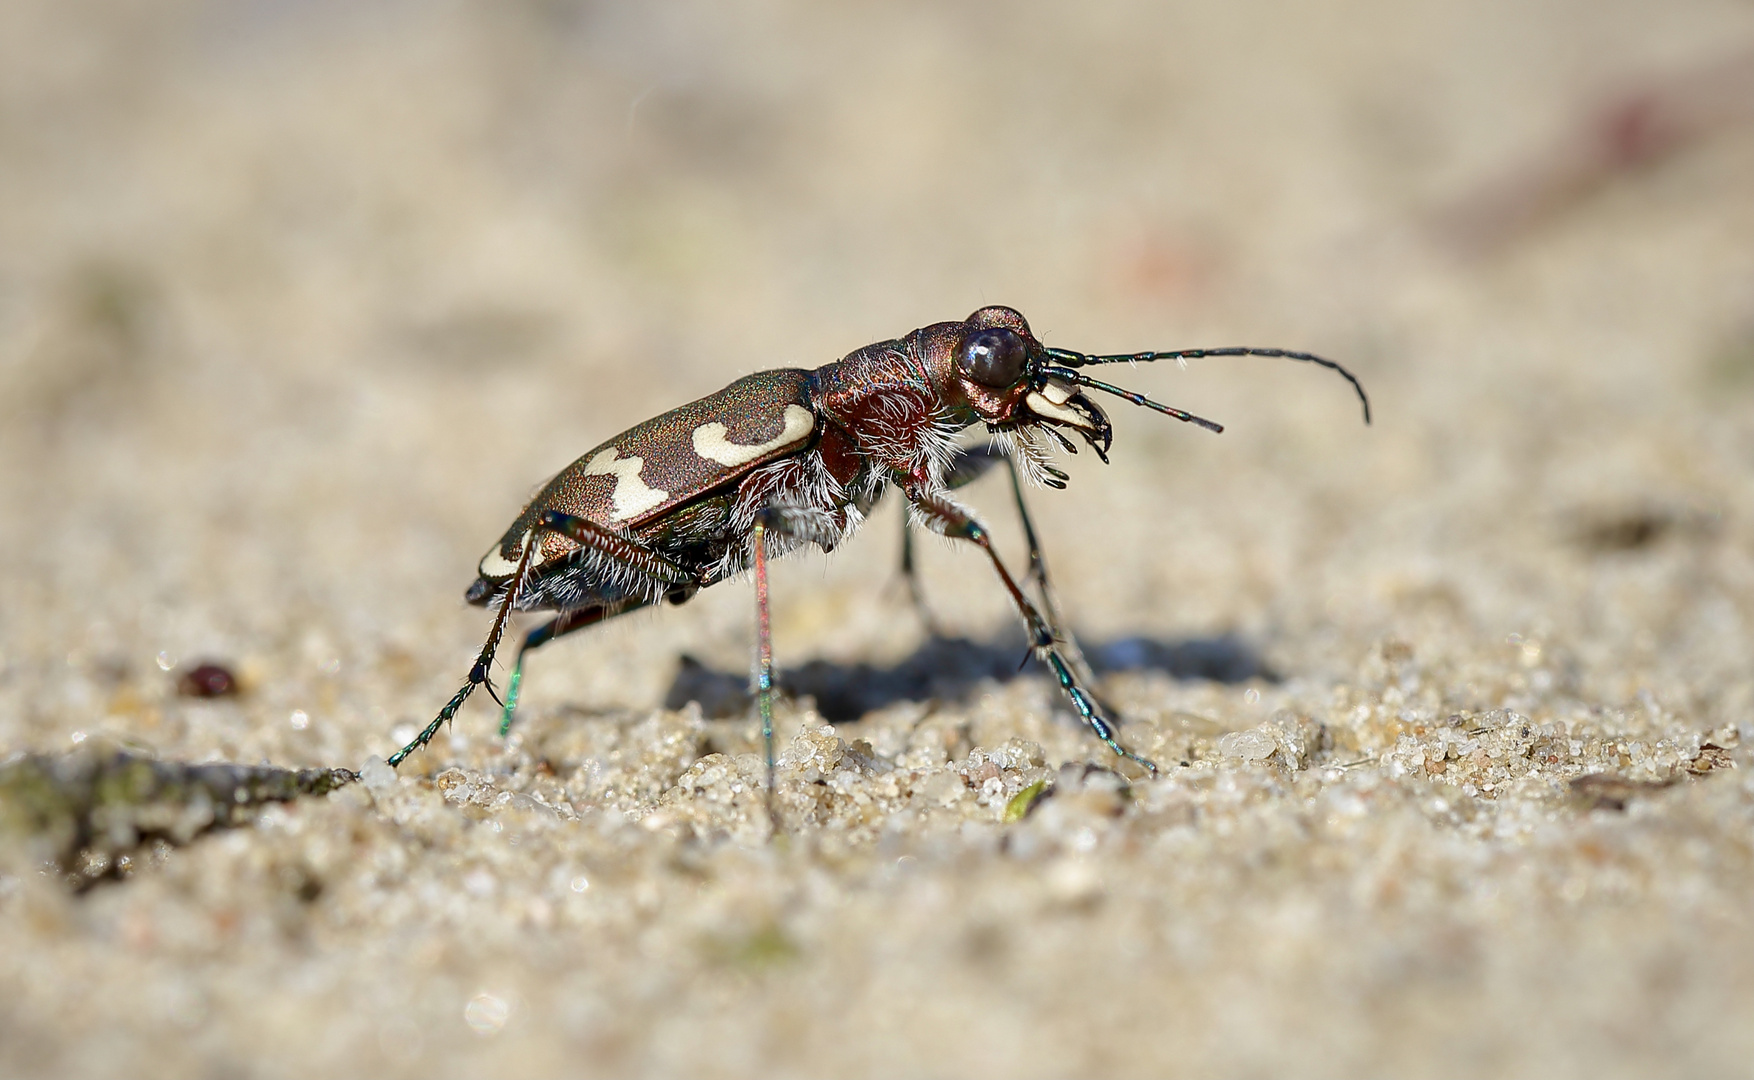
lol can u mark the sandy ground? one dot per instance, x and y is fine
(300, 301)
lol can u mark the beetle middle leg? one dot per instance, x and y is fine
(792, 524)
(764, 654)
(955, 522)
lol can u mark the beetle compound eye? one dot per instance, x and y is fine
(992, 357)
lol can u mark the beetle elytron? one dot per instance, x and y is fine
(790, 457)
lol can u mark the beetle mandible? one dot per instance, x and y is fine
(790, 457)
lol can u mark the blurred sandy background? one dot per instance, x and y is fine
(299, 301)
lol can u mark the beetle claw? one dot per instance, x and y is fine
(487, 685)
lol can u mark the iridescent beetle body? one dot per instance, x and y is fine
(671, 483)
(790, 457)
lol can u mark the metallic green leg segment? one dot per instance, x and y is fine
(444, 717)
(764, 663)
(558, 626)
(511, 696)
(1081, 701)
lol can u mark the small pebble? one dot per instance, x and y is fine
(1255, 744)
(377, 775)
(207, 681)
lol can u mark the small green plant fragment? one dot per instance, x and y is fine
(1024, 801)
(765, 947)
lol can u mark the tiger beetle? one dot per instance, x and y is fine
(780, 459)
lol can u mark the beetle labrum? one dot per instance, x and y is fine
(790, 457)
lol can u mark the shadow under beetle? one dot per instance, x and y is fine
(790, 457)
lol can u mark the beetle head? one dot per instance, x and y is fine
(999, 367)
(1019, 386)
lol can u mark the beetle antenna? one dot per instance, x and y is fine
(1073, 359)
(1137, 399)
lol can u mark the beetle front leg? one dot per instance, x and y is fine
(969, 465)
(1038, 570)
(953, 521)
(973, 463)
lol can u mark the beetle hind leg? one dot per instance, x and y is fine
(560, 625)
(483, 666)
(633, 556)
(655, 574)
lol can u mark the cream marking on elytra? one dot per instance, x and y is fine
(495, 565)
(632, 497)
(710, 441)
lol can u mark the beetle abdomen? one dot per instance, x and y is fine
(650, 469)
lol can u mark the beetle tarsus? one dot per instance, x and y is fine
(487, 685)
(444, 717)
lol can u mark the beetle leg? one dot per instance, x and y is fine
(559, 626)
(637, 557)
(910, 577)
(618, 546)
(764, 653)
(785, 521)
(621, 548)
(479, 672)
(969, 465)
(955, 522)
(972, 463)
(1038, 570)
